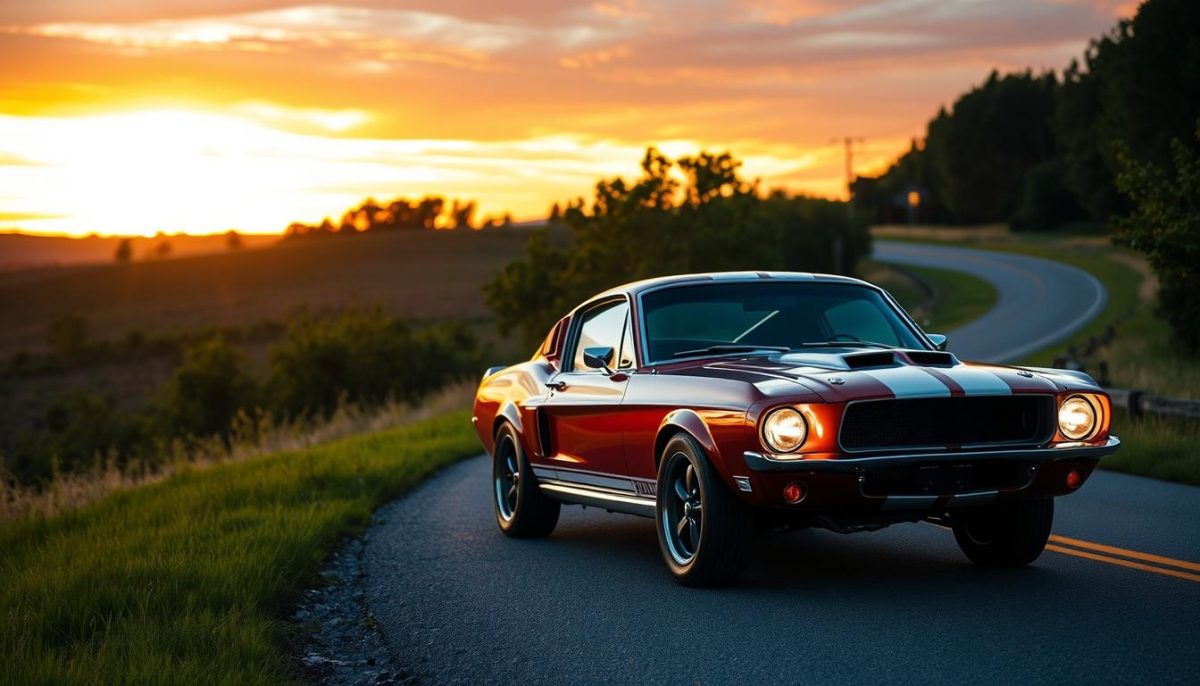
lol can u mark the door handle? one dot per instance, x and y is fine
(556, 385)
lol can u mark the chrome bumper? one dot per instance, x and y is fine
(759, 462)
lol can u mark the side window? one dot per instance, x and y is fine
(602, 327)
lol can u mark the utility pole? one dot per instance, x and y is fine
(839, 237)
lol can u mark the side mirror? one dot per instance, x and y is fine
(599, 358)
(939, 340)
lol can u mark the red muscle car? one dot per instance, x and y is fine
(721, 404)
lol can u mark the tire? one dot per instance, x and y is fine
(521, 510)
(1007, 534)
(713, 547)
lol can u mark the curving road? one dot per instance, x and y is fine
(1114, 599)
(1038, 301)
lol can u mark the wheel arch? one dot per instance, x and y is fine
(687, 422)
(508, 413)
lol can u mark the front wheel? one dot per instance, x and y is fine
(704, 531)
(1008, 534)
(521, 509)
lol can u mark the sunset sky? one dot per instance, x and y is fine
(131, 116)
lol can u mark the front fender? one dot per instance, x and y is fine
(694, 425)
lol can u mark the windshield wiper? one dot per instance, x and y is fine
(847, 344)
(730, 349)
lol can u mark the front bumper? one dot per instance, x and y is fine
(759, 462)
(878, 483)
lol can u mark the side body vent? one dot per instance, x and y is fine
(868, 360)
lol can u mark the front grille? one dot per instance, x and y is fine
(947, 422)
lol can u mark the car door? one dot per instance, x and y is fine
(583, 408)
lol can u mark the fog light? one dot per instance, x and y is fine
(794, 492)
(1074, 478)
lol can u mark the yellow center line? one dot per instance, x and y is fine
(1124, 563)
(1113, 550)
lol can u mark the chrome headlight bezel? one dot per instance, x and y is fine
(770, 427)
(1083, 405)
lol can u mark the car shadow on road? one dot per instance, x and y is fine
(904, 557)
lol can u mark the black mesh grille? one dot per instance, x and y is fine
(951, 422)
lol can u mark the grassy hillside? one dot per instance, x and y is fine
(185, 580)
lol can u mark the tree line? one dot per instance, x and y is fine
(1113, 143)
(429, 213)
(1044, 151)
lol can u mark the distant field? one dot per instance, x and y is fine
(423, 275)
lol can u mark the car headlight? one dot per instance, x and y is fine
(1076, 418)
(784, 430)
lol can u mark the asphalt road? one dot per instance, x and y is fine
(1113, 600)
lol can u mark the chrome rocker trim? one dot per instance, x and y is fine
(759, 462)
(577, 494)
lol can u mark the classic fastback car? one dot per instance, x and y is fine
(721, 404)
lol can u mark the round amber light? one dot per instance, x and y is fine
(1076, 418)
(784, 430)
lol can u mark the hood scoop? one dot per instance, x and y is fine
(870, 360)
(929, 358)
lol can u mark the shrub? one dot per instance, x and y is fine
(363, 356)
(207, 390)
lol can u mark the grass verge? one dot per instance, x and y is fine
(184, 580)
(940, 299)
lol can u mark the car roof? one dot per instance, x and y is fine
(638, 287)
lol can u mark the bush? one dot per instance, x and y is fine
(207, 390)
(1165, 225)
(76, 433)
(712, 221)
(364, 357)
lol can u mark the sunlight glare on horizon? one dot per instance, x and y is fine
(142, 172)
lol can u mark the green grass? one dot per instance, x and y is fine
(185, 581)
(1159, 447)
(960, 297)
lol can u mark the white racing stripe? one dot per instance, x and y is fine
(910, 382)
(976, 381)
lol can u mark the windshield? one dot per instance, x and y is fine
(781, 314)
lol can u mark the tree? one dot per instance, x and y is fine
(124, 254)
(461, 214)
(233, 240)
(1165, 225)
(714, 220)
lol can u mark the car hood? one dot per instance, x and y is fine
(841, 375)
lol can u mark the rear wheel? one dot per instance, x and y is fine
(1008, 534)
(704, 531)
(521, 509)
